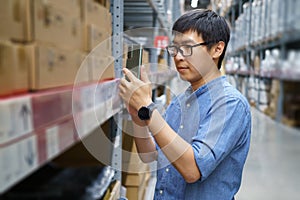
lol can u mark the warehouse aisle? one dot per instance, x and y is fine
(272, 168)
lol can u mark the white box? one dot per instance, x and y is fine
(15, 118)
(17, 161)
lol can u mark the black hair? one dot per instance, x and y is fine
(212, 27)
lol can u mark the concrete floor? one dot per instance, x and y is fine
(272, 170)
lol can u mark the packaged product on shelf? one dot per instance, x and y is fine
(53, 25)
(105, 3)
(94, 13)
(293, 14)
(70, 7)
(136, 173)
(53, 67)
(16, 118)
(17, 161)
(102, 67)
(125, 54)
(16, 24)
(43, 21)
(14, 65)
(291, 103)
(94, 36)
(145, 59)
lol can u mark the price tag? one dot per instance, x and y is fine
(161, 41)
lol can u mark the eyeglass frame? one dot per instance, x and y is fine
(190, 46)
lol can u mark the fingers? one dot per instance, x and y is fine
(129, 74)
(144, 76)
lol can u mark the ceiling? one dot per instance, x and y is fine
(139, 14)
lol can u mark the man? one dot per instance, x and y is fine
(202, 141)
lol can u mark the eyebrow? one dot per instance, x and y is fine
(184, 42)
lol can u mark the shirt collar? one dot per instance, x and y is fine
(189, 91)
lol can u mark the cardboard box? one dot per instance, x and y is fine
(16, 20)
(70, 7)
(105, 3)
(16, 118)
(14, 65)
(53, 67)
(113, 191)
(137, 192)
(96, 37)
(43, 21)
(145, 59)
(102, 68)
(54, 26)
(94, 13)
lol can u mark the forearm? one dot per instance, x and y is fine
(144, 143)
(176, 149)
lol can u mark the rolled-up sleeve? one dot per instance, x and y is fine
(221, 130)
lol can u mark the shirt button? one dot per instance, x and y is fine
(188, 105)
(167, 169)
(181, 126)
(161, 192)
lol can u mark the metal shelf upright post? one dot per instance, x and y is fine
(117, 51)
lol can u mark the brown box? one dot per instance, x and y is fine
(16, 20)
(39, 20)
(102, 68)
(94, 36)
(105, 3)
(137, 192)
(54, 26)
(145, 59)
(53, 67)
(70, 7)
(94, 13)
(14, 64)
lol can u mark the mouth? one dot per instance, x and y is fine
(182, 68)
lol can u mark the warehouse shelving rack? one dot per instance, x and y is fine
(282, 41)
(37, 127)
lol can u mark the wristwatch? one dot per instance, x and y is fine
(145, 112)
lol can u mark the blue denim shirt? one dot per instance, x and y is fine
(216, 121)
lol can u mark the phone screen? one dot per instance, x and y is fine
(134, 59)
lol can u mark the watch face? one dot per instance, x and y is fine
(143, 113)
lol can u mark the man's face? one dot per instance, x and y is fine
(199, 64)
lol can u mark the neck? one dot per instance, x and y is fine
(205, 79)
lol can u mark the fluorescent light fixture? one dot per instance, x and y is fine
(194, 3)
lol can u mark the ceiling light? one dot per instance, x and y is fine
(194, 3)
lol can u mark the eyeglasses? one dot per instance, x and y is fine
(185, 50)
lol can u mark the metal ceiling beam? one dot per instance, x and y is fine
(158, 7)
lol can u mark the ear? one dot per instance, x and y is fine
(218, 49)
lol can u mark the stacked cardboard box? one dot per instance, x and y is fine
(291, 104)
(14, 66)
(52, 22)
(274, 95)
(135, 174)
(97, 30)
(43, 44)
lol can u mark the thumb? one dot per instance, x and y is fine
(144, 76)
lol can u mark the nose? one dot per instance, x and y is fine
(179, 56)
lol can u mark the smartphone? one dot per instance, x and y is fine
(134, 59)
